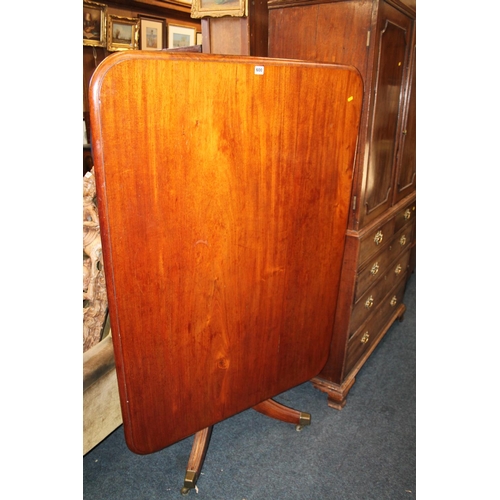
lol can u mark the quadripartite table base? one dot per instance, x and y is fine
(269, 407)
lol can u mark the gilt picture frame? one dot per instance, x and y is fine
(122, 33)
(180, 36)
(213, 8)
(94, 24)
(179, 2)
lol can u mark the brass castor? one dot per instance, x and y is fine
(304, 420)
(189, 482)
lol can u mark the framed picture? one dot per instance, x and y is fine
(152, 33)
(180, 36)
(199, 39)
(122, 33)
(181, 2)
(94, 24)
(216, 8)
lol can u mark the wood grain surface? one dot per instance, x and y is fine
(223, 191)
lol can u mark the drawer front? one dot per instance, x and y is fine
(383, 263)
(371, 242)
(405, 215)
(402, 241)
(372, 299)
(370, 331)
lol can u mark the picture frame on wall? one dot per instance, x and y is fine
(180, 2)
(122, 33)
(152, 33)
(214, 8)
(180, 36)
(94, 24)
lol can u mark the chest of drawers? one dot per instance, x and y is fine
(378, 37)
(376, 267)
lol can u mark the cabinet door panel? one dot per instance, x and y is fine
(407, 169)
(391, 59)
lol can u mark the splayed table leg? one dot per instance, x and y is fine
(196, 459)
(276, 410)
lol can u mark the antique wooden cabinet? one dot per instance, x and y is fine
(378, 38)
(237, 35)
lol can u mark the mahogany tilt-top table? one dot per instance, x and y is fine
(223, 188)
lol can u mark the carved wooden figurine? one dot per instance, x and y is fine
(95, 300)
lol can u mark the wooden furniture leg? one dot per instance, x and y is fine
(196, 458)
(276, 410)
(269, 407)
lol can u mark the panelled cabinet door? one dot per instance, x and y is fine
(406, 176)
(393, 39)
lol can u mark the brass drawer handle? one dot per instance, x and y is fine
(378, 238)
(394, 301)
(407, 214)
(374, 269)
(365, 338)
(398, 269)
(369, 302)
(402, 240)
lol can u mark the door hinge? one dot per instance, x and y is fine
(368, 33)
(354, 203)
